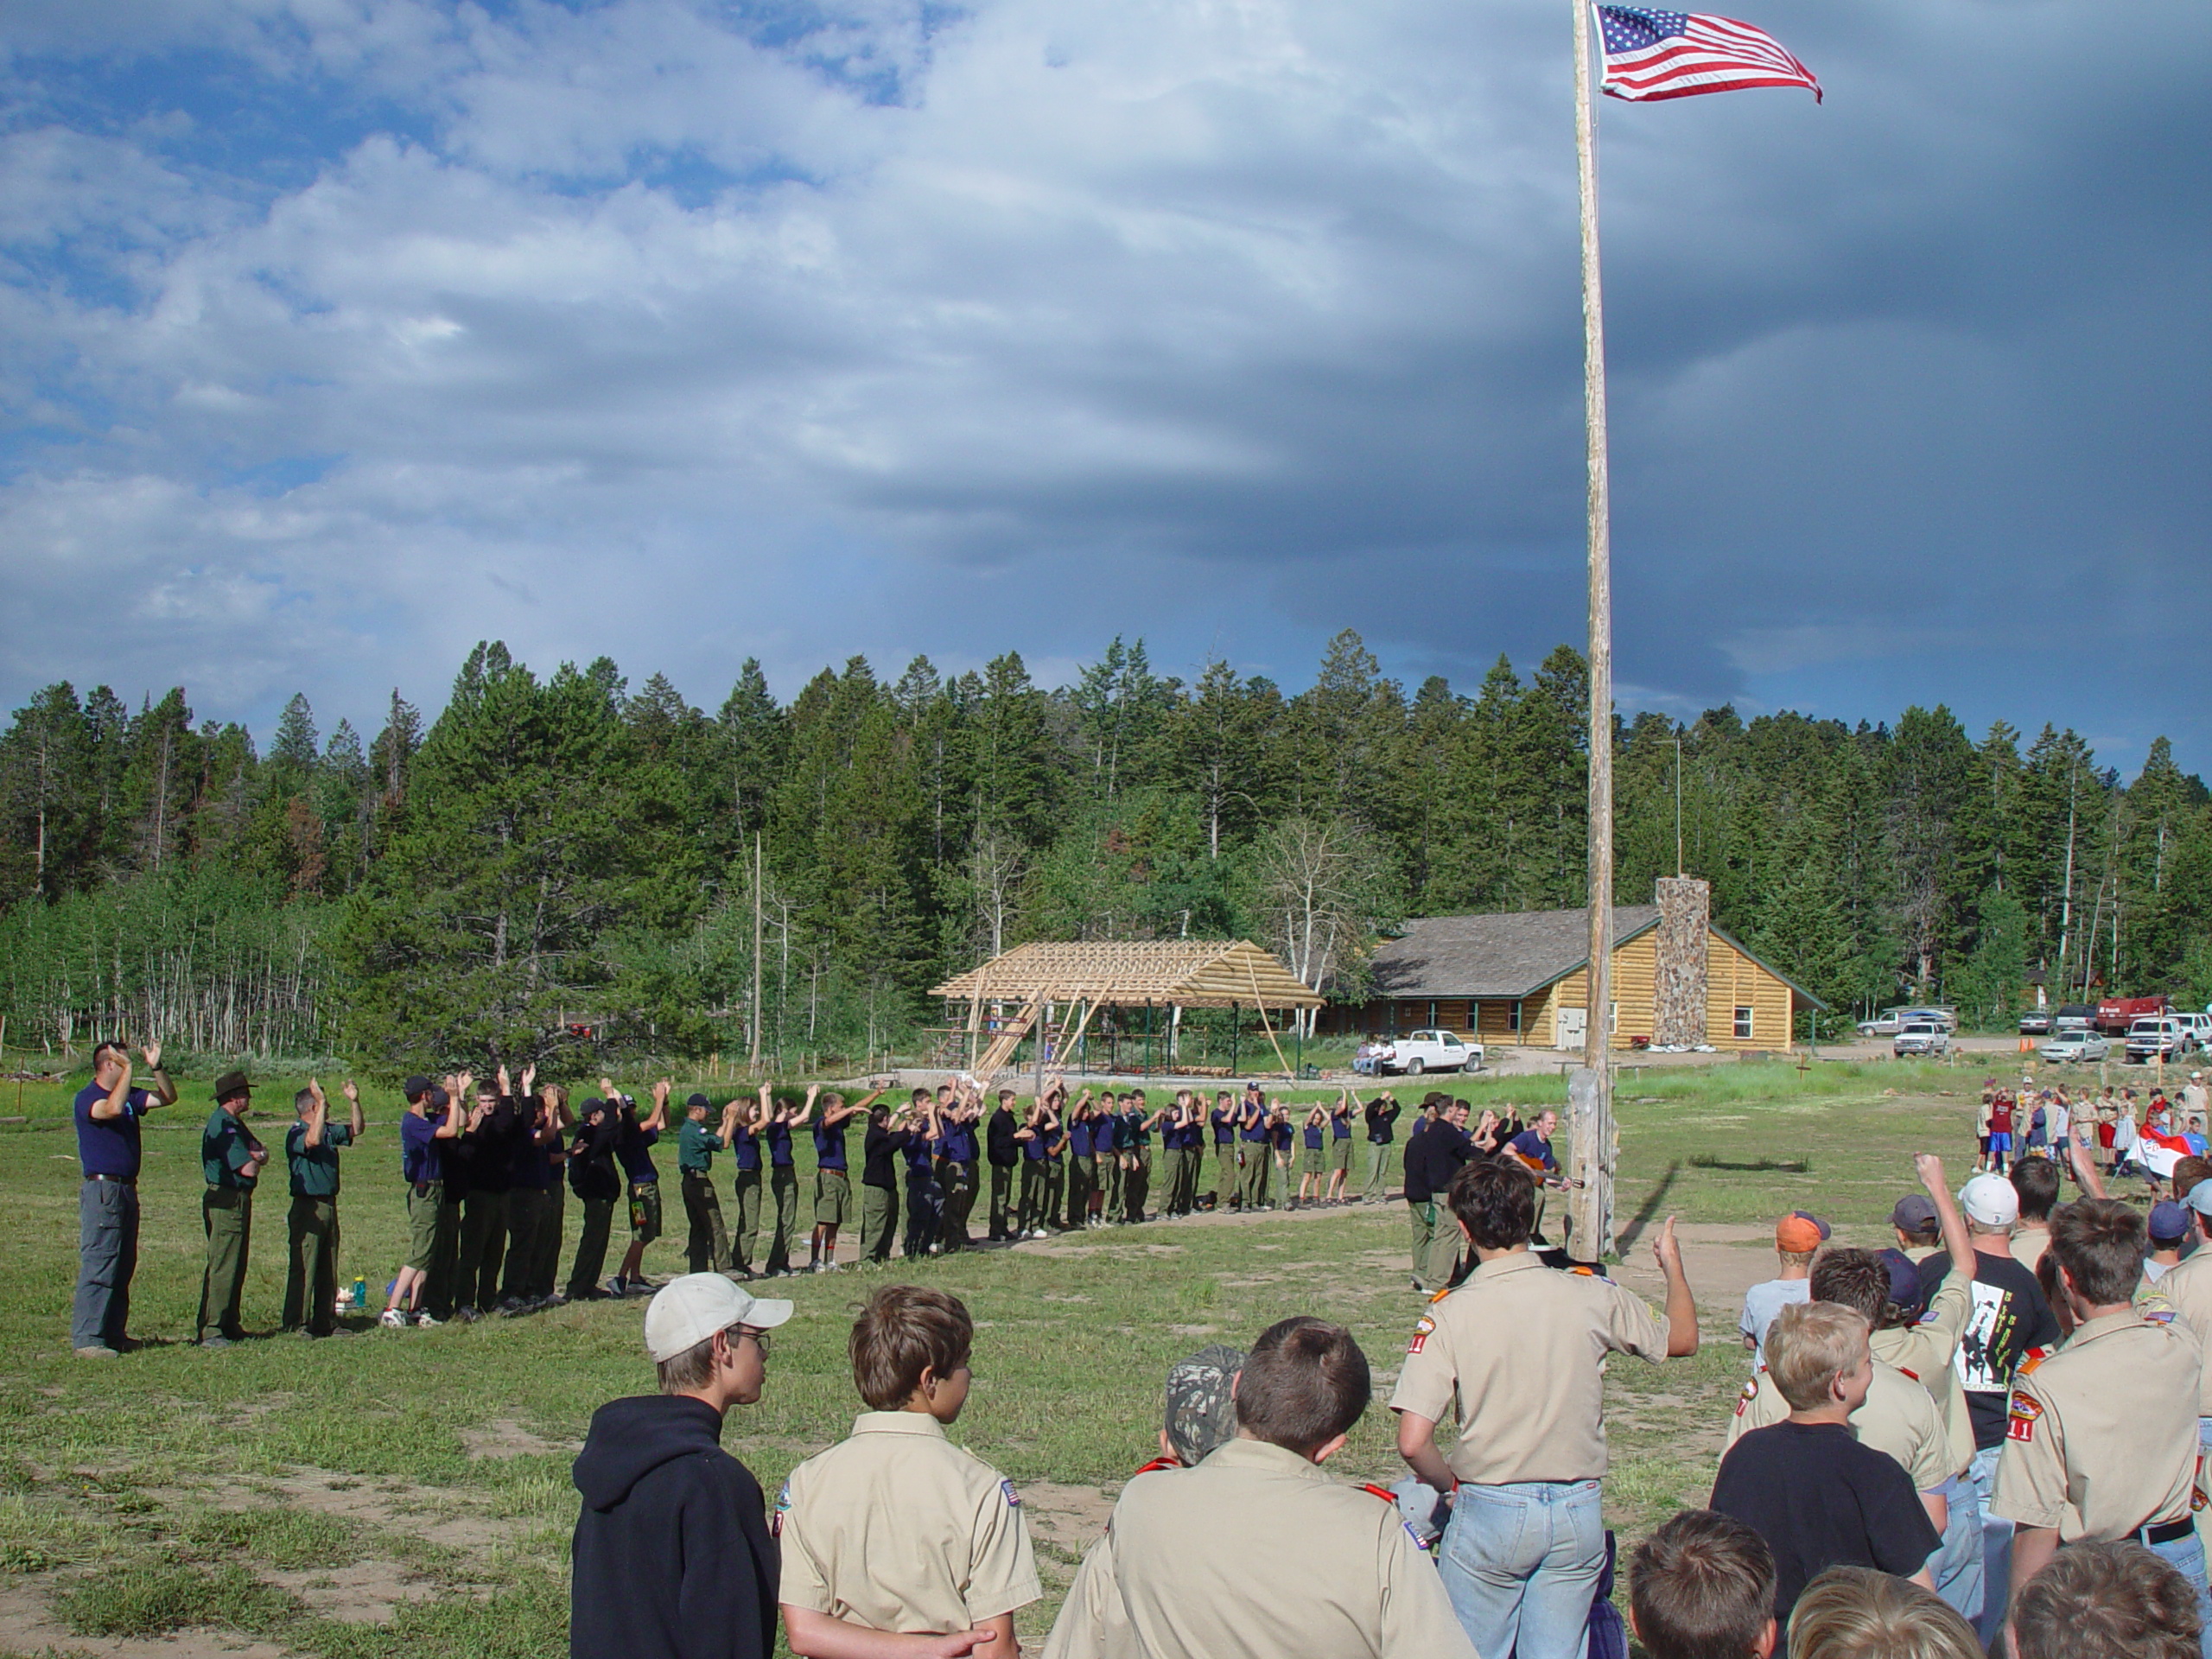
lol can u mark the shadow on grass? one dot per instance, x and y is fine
(1648, 1208)
(1755, 1166)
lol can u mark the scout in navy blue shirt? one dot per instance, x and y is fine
(783, 1179)
(833, 1186)
(108, 1110)
(633, 1140)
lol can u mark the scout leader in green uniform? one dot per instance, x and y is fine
(231, 1158)
(707, 1243)
(311, 1153)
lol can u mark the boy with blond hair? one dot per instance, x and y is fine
(896, 1531)
(1818, 1498)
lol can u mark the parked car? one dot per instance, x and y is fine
(2074, 1016)
(1921, 1037)
(2199, 1029)
(2116, 1015)
(1887, 1023)
(1428, 1051)
(2036, 1022)
(2075, 1044)
(2157, 1037)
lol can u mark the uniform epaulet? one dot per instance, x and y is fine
(2034, 1357)
(1383, 1492)
(1439, 1296)
(1159, 1464)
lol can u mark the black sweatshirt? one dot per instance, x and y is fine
(672, 1558)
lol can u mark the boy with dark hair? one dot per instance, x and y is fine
(2036, 1181)
(1316, 1566)
(958, 1114)
(425, 1129)
(672, 1559)
(1521, 1350)
(2107, 1601)
(2101, 1437)
(534, 1203)
(1702, 1587)
(1807, 1486)
(895, 1529)
(634, 1141)
(779, 1121)
(887, 1135)
(596, 1179)
(311, 1156)
(1003, 1153)
(1380, 1114)
(1252, 1190)
(486, 1151)
(833, 1184)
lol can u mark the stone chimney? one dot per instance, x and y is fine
(1679, 996)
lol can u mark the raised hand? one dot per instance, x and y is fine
(464, 1084)
(505, 1087)
(152, 1054)
(351, 1090)
(315, 1088)
(662, 1090)
(1929, 1169)
(606, 1089)
(530, 1077)
(1667, 1249)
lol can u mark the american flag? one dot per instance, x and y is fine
(1653, 55)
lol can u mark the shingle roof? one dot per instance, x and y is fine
(1195, 973)
(1502, 956)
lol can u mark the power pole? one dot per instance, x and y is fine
(1590, 1090)
(752, 1051)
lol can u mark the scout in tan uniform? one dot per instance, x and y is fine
(2102, 1442)
(896, 1528)
(1519, 1349)
(1314, 1567)
(2188, 1290)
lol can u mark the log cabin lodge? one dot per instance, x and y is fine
(1518, 979)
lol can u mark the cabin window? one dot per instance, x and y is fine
(1513, 1018)
(1742, 1022)
(1612, 1019)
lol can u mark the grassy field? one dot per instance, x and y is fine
(408, 1492)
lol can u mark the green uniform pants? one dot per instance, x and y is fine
(1224, 1174)
(545, 1261)
(441, 1286)
(227, 1214)
(1442, 1260)
(1536, 1225)
(745, 1243)
(1183, 1190)
(1423, 1217)
(1111, 1178)
(706, 1246)
(958, 1182)
(1002, 1201)
(311, 1275)
(879, 1222)
(1253, 1190)
(1136, 1184)
(783, 1198)
(591, 1247)
(1056, 1186)
(1381, 1163)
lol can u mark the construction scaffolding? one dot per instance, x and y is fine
(1056, 988)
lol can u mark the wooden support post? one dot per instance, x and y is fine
(1590, 1092)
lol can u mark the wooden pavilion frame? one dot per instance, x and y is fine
(1087, 976)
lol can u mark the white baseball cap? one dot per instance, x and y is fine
(685, 1312)
(1989, 1199)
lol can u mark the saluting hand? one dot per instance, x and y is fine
(505, 1087)
(530, 1077)
(1667, 1249)
(351, 1090)
(152, 1052)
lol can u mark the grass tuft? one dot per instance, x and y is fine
(144, 1598)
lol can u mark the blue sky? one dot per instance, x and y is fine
(340, 334)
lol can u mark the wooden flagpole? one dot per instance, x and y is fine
(1590, 1089)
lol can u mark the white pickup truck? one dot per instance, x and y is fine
(1429, 1051)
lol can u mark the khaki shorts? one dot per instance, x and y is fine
(833, 1197)
(645, 1212)
(1309, 1160)
(425, 1200)
(1340, 1154)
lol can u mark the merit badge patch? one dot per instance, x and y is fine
(1013, 1498)
(2021, 1421)
(1422, 1327)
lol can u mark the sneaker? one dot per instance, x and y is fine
(428, 1321)
(514, 1304)
(392, 1319)
(467, 1315)
(555, 1300)
(618, 1286)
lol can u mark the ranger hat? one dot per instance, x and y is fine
(1201, 1413)
(232, 1083)
(686, 1311)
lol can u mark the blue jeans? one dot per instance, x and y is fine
(1957, 1567)
(1520, 1563)
(2186, 1555)
(1996, 1547)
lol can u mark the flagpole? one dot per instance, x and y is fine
(1590, 1089)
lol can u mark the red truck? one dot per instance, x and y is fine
(2116, 1014)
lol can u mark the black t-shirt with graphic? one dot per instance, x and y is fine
(2011, 1320)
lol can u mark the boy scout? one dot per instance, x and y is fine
(706, 1245)
(1522, 1348)
(2101, 1441)
(896, 1528)
(1316, 1566)
(2188, 1288)
(231, 1159)
(311, 1153)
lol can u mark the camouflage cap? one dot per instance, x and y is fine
(1200, 1413)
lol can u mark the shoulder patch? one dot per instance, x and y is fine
(1423, 1327)
(1013, 1498)
(783, 1507)
(2021, 1424)
(1743, 1400)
